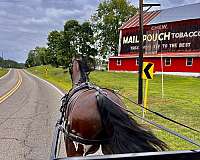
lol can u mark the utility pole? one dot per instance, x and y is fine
(2, 65)
(140, 81)
(141, 50)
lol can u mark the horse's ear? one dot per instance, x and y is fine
(77, 66)
(85, 65)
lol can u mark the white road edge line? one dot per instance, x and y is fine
(6, 74)
(50, 84)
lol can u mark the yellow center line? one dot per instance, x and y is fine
(13, 89)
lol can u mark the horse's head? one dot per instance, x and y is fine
(79, 71)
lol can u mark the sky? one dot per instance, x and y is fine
(25, 24)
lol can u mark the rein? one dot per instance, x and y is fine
(99, 92)
(158, 114)
(157, 125)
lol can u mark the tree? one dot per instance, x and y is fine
(61, 46)
(12, 64)
(72, 30)
(80, 39)
(54, 47)
(40, 54)
(110, 15)
(36, 57)
(30, 62)
(76, 39)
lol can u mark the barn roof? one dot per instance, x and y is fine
(166, 15)
(134, 21)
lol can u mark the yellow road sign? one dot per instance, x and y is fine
(147, 71)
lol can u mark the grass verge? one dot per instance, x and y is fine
(3, 71)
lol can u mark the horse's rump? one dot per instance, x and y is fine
(84, 118)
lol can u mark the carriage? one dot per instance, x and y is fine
(94, 117)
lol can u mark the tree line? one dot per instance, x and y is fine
(97, 36)
(10, 64)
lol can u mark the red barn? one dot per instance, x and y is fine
(171, 41)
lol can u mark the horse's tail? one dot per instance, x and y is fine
(126, 135)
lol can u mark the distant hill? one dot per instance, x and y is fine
(10, 64)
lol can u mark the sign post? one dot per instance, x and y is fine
(140, 81)
(147, 73)
(46, 71)
(141, 50)
(145, 96)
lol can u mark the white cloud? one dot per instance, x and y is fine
(191, 2)
(36, 20)
(53, 12)
(26, 30)
(2, 13)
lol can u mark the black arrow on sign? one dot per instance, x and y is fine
(146, 70)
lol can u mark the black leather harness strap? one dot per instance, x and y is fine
(82, 140)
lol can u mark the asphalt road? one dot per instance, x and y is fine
(27, 117)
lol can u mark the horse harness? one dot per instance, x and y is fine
(65, 110)
(63, 126)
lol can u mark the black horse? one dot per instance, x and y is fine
(95, 117)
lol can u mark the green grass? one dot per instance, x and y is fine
(181, 100)
(3, 71)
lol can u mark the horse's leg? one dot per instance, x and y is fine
(93, 149)
(106, 149)
(71, 150)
